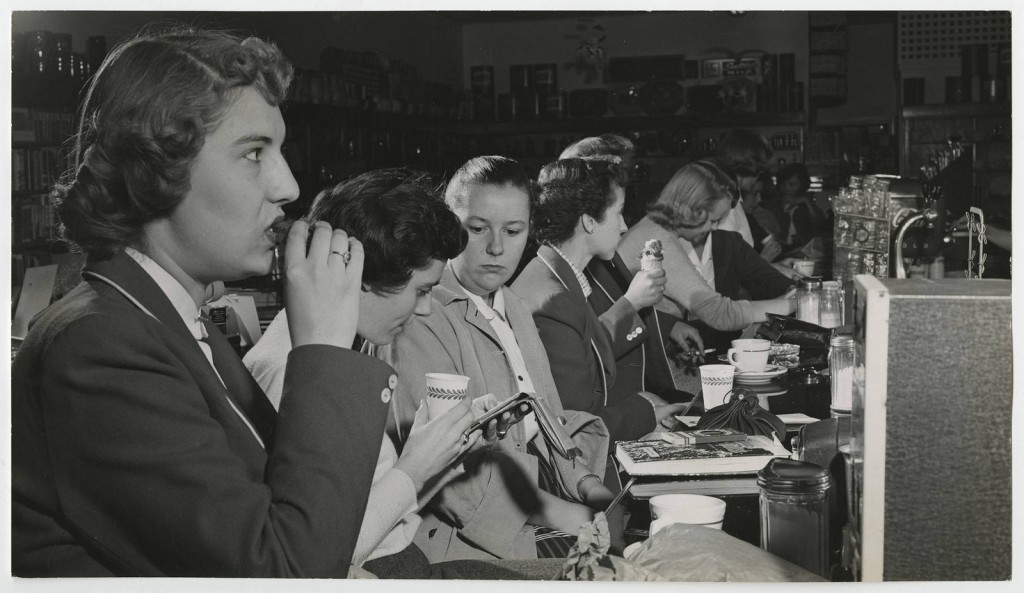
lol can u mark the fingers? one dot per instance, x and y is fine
(354, 266)
(295, 252)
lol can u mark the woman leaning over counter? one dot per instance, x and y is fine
(697, 196)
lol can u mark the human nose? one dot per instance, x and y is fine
(622, 224)
(495, 246)
(284, 188)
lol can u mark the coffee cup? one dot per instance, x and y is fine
(749, 355)
(715, 383)
(691, 509)
(804, 266)
(444, 392)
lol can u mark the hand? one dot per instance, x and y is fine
(771, 249)
(646, 289)
(687, 337)
(788, 303)
(498, 427)
(322, 286)
(435, 444)
(595, 494)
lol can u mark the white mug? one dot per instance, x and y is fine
(749, 355)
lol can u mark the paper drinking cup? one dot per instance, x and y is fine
(691, 509)
(715, 383)
(444, 392)
(804, 266)
(749, 355)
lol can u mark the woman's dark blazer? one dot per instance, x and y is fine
(579, 347)
(131, 458)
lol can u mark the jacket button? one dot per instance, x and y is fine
(385, 395)
(639, 330)
(393, 381)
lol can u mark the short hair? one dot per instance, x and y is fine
(489, 170)
(744, 152)
(400, 218)
(144, 118)
(612, 144)
(570, 188)
(797, 170)
(686, 198)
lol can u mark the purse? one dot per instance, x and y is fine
(741, 411)
(789, 330)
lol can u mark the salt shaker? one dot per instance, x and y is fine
(794, 513)
(808, 299)
(830, 310)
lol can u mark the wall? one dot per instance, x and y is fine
(424, 39)
(871, 79)
(694, 34)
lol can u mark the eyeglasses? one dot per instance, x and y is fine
(976, 224)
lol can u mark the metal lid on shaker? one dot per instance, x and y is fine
(809, 283)
(788, 476)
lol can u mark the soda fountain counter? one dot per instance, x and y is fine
(930, 472)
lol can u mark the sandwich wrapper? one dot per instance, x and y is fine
(553, 431)
(651, 256)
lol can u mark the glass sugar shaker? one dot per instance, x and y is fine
(808, 299)
(830, 309)
(841, 361)
(794, 513)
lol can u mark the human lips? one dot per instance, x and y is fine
(493, 268)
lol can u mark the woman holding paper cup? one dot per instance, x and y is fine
(140, 444)
(408, 236)
(482, 331)
(579, 218)
(697, 196)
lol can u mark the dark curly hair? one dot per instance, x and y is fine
(144, 118)
(401, 220)
(570, 188)
(489, 170)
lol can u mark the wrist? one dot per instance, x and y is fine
(582, 481)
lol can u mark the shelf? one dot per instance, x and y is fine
(28, 193)
(957, 110)
(597, 125)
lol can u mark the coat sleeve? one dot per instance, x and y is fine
(760, 279)
(624, 327)
(138, 457)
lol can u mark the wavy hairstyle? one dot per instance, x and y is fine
(489, 170)
(797, 170)
(744, 152)
(570, 188)
(686, 198)
(144, 118)
(401, 220)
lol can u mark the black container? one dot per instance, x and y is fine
(913, 91)
(40, 52)
(481, 80)
(61, 58)
(508, 107)
(520, 79)
(554, 105)
(955, 90)
(545, 78)
(96, 49)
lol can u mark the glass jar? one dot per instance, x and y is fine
(794, 513)
(831, 307)
(840, 367)
(808, 299)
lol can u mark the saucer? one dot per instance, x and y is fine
(759, 377)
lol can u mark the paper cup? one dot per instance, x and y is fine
(444, 392)
(691, 509)
(715, 383)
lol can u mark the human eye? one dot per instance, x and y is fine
(512, 232)
(254, 155)
(476, 229)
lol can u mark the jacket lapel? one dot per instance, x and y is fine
(449, 290)
(238, 385)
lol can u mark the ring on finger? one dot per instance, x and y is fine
(345, 255)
